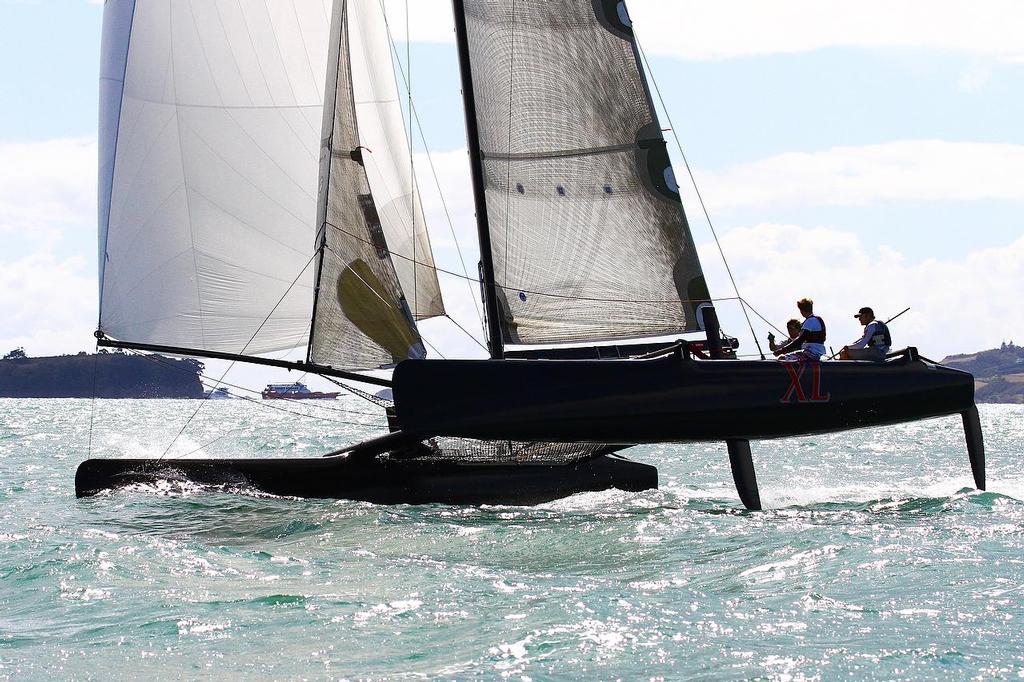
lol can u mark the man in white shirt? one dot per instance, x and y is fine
(874, 344)
(810, 345)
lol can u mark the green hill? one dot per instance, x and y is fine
(998, 373)
(103, 375)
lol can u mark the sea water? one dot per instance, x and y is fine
(876, 560)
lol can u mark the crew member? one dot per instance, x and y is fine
(792, 328)
(874, 344)
(809, 346)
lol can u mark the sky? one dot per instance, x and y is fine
(865, 153)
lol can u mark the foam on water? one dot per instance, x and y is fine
(876, 559)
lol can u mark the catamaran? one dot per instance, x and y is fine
(256, 195)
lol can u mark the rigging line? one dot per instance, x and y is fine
(433, 171)
(365, 395)
(209, 443)
(320, 418)
(360, 278)
(305, 334)
(92, 408)
(463, 329)
(230, 366)
(433, 347)
(763, 319)
(508, 162)
(591, 299)
(693, 181)
(303, 414)
(159, 359)
(412, 162)
(321, 406)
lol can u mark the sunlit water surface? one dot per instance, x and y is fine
(877, 560)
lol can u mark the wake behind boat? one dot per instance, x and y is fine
(276, 202)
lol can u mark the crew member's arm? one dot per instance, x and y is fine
(795, 344)
(863, 342)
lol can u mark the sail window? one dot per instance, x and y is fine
(670, 179)
(624, 15)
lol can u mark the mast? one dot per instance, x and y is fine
(490, 290)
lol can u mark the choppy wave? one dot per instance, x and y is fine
(876, 559)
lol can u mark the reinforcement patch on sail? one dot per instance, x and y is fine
(588, 234)
(361, 319)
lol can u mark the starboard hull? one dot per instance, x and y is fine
(376, 480)
(670, 399)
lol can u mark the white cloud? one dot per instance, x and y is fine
(696, 29)
(974, 79)
(777, 264)
(47, 189)
(45, 185)
(48, 304)
(957, 305)
(908, 170)
(723, 29)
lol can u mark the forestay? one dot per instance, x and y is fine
(211, 122)
(588, 235)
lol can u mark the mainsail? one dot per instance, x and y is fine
(211, 122)
(588, 237)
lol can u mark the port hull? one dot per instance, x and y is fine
(377, 480)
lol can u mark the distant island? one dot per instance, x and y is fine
(101, 375)
(998, 373)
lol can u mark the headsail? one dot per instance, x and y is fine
(588, 236)
(211, 125)
(358, 297)
(383, 136)
(212, 184)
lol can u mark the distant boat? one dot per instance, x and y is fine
(295, 391)
(221, 393)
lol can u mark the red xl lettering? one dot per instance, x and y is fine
(796, 387)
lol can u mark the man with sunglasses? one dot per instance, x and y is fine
(874, 344)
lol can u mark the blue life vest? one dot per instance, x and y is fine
(881, 338)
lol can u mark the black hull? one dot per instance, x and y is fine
(671, 399)
(380, 481)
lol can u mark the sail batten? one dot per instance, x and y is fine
(580, 198)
